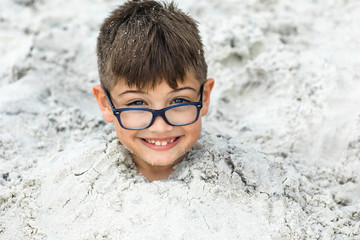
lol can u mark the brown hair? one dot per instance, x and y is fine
(145, 42)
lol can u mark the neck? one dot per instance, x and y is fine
(153, 172)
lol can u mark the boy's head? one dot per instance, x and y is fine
(154, 88)
(145, 42)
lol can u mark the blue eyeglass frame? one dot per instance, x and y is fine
(156, 113)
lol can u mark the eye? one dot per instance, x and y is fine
(136, 103)
(179, 101)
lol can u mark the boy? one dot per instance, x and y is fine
(153, 83)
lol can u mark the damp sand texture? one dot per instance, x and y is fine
(278, 157)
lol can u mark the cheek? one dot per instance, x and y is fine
(123, 135)
(193, 131)
(118, 129)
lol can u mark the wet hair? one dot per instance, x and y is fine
(144, 42)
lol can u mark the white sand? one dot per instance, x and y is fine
(279, 156)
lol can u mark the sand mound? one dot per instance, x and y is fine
(278, 157)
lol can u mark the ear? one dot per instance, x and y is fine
(105, 108)
(208, 86)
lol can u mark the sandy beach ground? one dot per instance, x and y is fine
(279, 156)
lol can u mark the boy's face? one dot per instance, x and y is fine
(160, 145)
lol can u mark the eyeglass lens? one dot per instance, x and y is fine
(136, 119)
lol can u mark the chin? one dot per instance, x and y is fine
(163, 162)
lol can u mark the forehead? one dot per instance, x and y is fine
(162, 86)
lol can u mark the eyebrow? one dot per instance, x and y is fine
(132, 91)
(184, 88)
(142, 92)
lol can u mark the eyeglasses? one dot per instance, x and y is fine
(140, 118)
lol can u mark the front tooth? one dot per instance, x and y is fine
(157, 143)
(163, 143)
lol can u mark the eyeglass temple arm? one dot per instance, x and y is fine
(109, 100)
(202, 92)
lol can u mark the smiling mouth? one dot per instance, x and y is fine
(162, 142)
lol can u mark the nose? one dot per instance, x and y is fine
(159, 125)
